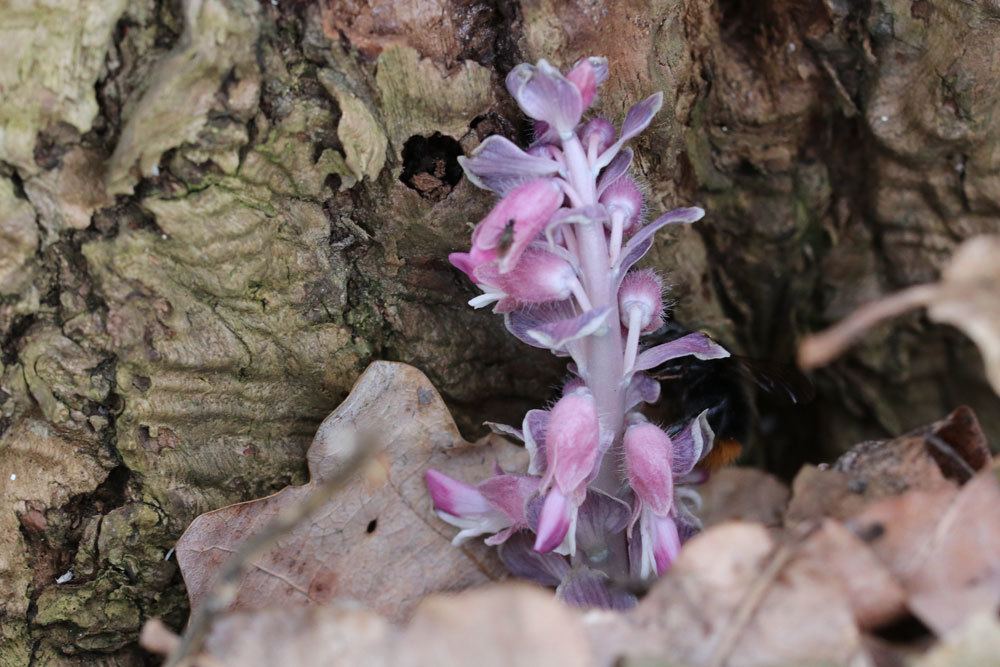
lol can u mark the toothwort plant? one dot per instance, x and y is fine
(607, 495)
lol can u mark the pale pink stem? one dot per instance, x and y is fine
(603, 352)
(617, 231)
(571, 192)
(632, 343)
(569, 238)
(592, 147)
(581, 295)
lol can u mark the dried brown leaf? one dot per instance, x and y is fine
(508, 625)
(943, 546)
(377, 543)
(729, 599)
(303, 637)
(929, 458)
(745, 494)
(836, 556)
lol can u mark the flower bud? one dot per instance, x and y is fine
(572, 445)
(660, 542)
(642, 292)
(554, 522)
(544, 94)
(624, 195)
(598, 128)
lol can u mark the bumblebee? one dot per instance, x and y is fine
(724, 387)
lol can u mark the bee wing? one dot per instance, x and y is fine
(779, 381)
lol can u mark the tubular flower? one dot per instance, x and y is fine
(495, 507)
(648, 460)
(572, 444)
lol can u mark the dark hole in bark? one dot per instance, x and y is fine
(430, 165)
(372, 525)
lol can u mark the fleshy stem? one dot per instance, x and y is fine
(604, 353)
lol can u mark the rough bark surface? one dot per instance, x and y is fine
(215, 213)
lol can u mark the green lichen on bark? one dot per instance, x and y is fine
(61, 48)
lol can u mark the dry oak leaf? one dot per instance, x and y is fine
(944, 547)
(503, 625)
(380, 543)
(836, 556)
(731, 599)
(744, 494)
(929, 458)
(975, 644)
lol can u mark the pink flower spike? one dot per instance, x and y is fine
(554, 522)
(587, 74)
(655, 546)
(648, 461)
(572, 443)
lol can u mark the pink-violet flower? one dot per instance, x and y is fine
(494, 507)
(572, 447)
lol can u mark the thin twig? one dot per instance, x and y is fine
(751, 601)
(226, 586)
(819, 349)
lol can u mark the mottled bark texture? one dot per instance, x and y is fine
(215, 213)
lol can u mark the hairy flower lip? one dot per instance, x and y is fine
(649, 463)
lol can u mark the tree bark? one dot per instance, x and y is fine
(215, 213)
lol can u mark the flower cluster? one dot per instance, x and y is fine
(605, 496)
